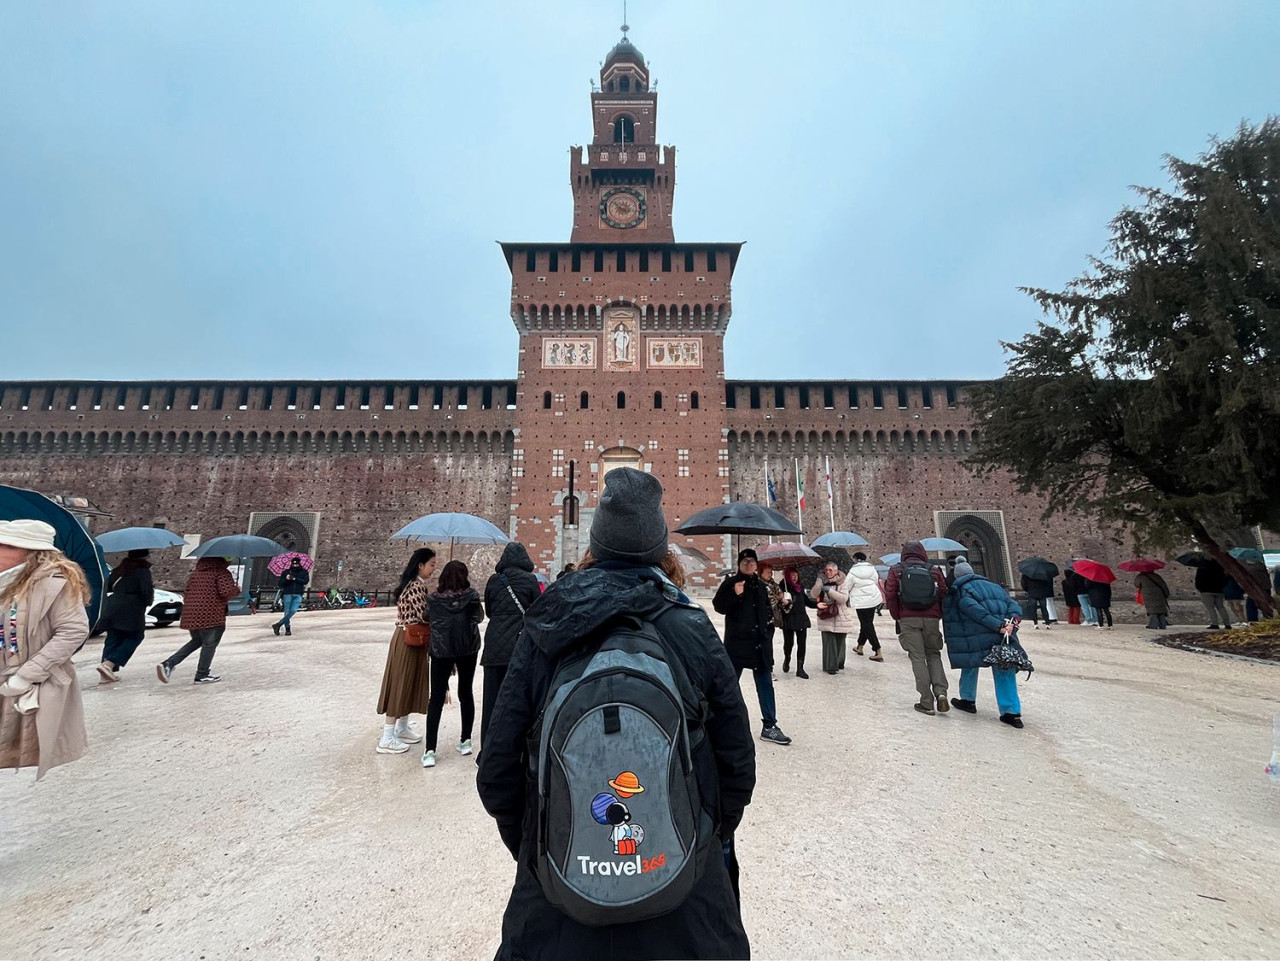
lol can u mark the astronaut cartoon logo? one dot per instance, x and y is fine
(612, 811)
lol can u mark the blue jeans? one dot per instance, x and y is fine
(291, 604)
(1006, 688)
(764, 693)
(1087, 614)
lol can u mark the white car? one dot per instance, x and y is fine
(166, 610)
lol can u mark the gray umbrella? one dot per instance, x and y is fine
(840, 539)
(451, 528)
(738, 517)
(1038, 568)
(138, 539)
(238, 545)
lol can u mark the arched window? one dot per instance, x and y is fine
(546, 400)
(624, 130)
(622, 400)
(657, 400)
(693, 400)
(583, 400)
(624, 84)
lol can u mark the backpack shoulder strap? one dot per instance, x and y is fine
(507, 584)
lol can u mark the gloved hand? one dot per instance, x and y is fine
(14, 685)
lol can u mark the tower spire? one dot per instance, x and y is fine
(625, 28)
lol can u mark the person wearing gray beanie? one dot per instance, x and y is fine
(963, 569)
(628, 524)
(978, 614)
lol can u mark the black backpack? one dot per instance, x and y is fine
(917, 590)
(623, 832)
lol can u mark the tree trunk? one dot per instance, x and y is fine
(1233, 567)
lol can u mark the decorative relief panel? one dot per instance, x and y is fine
(674, 352)
(577, 352)
(621, 338)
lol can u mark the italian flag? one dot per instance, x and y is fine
(800, 490)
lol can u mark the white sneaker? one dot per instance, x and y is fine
(408, 734)
(429, 759)
(392, 745)
(464, 748)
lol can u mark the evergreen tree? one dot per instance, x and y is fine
(1150, 395)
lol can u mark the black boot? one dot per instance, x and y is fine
(800, 672)
(288, 630)
(275, 628)
(786, 664)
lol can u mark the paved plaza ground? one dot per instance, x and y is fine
(252, 819)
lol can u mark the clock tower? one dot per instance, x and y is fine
(623, 181)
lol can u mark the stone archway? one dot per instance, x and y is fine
(983, 546)
(289, 533)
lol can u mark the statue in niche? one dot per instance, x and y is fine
(621, 344)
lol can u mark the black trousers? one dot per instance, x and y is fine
(867, 628)
(120, 645)
(441, 668)
(493, 677)
(206, 642)
(797, 636)
(1040, 608)
(1103, 612)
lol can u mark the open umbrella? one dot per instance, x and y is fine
(738, 517)
(1038, 568)
(891, 558)
(840, 539)
(788, 553)
(1247, 554)
(238, 545)
(1093, 571)
(70, 537)
(138, 539)
(942, 544)
(278, 565)
(690, 558)
(450, 528)
(1141, 565)
(1191, 559)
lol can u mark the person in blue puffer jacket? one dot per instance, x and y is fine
(974, 613)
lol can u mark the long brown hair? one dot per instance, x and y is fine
(669, 565)
(40, 564)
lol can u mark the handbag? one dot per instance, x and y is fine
(831, 611)
(417, 635)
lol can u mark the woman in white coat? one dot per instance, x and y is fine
(865, 597)
(836, 619)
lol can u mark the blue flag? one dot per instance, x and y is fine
(773, 494)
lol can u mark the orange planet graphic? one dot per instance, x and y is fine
(627, 784)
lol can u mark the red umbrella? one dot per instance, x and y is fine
(281, 563)
(1093, 571)
(1141, 565)
(788, 553)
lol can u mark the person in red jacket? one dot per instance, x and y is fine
(913, 594)
(204, 614)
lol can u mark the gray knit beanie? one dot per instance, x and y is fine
(963, 568)
(628, 524)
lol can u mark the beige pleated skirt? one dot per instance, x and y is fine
(406, 680)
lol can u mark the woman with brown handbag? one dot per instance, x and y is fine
(406, 680)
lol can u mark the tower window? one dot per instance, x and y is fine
(902, 397)
(877, 397)
(951, 396)
(666, 261)
(644, 261)
(624, 128)
(554, 264)
(577, 261)
(730, 397)
(622, 261)
(688, 261)
(693, 400)
(622, 400)
(599, 261)
(657, 400)
(584, 400)
(546, 400)
(828, 397)
(926, 397)
(755, 397)
(711, 261)
(530, 261)
(624, 84)
(853, 397)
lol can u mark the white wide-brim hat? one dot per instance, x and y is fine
(28, 535)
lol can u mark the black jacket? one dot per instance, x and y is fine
(797, 618)
(505, 617)
(1210, 577)
(1073, 585)
(294, 580)
(455, 619)
(748, 622)
(1039, 588)
(132, 592)
(1099, 594)
(708, 924)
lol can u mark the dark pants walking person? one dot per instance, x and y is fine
(867, 629)
(833, 651)
(798, 636)
(494, 675)
(764, 693)
(441, 668)
(206, 642)
(1104, 612)
(120, 645)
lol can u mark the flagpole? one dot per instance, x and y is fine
(831, 503)
(799, 501)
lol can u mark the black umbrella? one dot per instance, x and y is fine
(1038, 568)
(1191, 559)
(738, 517)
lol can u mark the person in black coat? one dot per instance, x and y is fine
(1100, 600)
(1039, 589)
(510, 592)
(628, 572)
(131, 592)
(795, 620)
(293, 587)
(743, 599)
(1072, 588)
(455, 614)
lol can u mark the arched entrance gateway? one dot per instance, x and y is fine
(984, 546)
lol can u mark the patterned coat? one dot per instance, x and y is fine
(412, 606)
(204, 600)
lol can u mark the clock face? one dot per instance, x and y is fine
(622, 207)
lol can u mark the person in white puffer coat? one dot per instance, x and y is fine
(865, 596)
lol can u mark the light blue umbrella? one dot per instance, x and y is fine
(238, 545)
(138, 539)
(841, 539)
(891, 558)
(942, 544)
(454, 528)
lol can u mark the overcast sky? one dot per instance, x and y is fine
(311, 189)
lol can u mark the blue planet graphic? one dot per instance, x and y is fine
(599, 804)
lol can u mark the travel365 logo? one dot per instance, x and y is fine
(612, 811)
